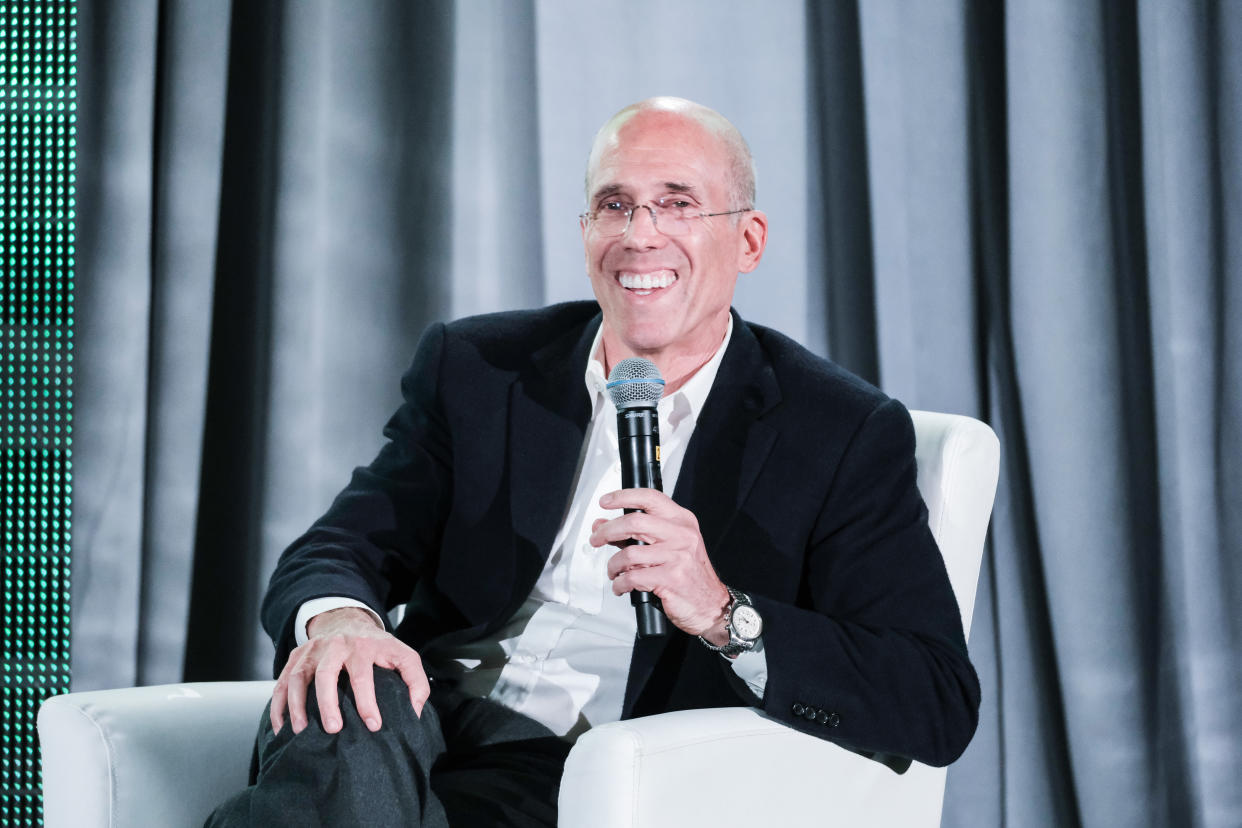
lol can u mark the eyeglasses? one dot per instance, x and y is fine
(670, 215)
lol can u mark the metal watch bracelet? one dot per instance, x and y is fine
(737, 644)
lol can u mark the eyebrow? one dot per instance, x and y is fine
(672, 186)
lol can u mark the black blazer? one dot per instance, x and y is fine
(801, 475)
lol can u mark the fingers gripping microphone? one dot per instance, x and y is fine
(635, 387)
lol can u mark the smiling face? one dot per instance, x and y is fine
(667, 298)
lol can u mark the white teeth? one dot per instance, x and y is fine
(647, 281)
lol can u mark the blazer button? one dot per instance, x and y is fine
(822, 717)
(809, 715)
(834, 719)
(798, 709)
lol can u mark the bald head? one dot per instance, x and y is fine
(741, 171)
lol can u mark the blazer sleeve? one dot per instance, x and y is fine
(872, 655)
(383, 530)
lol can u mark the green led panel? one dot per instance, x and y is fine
(37, 108)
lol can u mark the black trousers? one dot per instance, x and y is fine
(466, 762)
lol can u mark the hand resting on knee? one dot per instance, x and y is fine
(344, 639)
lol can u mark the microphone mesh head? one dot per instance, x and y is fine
(634, 382)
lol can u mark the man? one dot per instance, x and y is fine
(793, 559)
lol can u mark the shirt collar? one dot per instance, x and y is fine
(693, 393)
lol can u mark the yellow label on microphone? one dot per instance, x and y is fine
(657, 454)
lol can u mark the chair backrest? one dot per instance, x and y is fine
(958, 466)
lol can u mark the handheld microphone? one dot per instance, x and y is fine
(635, 386)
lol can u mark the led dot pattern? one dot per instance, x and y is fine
(37, 142)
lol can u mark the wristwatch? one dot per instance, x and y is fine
(743, 622)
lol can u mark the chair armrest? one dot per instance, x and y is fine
(147, 756)
(746, 768)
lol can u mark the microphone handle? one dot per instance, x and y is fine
(638, 438)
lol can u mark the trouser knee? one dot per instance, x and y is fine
(392, 697)
(354, 776)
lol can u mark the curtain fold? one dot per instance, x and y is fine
(1027, 211)
(1067, 259)
(115, 122)
(841, 312)
(916, 117)
(1187, 125)
(234, 435)
(186, 147)
(496, 199)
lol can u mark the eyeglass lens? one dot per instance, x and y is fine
(669, 220)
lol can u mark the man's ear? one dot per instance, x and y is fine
(586, 251)
(752, 240)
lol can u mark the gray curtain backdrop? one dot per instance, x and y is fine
(1026, 211)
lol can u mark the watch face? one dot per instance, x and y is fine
(747, 622)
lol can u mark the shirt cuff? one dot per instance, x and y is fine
(751, 667)
(318, 606)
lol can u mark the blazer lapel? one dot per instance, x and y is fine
(725, 454)
(730, 443)
(550, 410)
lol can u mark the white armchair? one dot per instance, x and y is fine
(111, 760)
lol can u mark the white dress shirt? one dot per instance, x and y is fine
(563, 659)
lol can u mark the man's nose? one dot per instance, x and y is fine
(642, 229)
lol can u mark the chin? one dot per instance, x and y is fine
(646, 339)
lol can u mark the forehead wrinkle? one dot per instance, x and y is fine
(670, 186)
